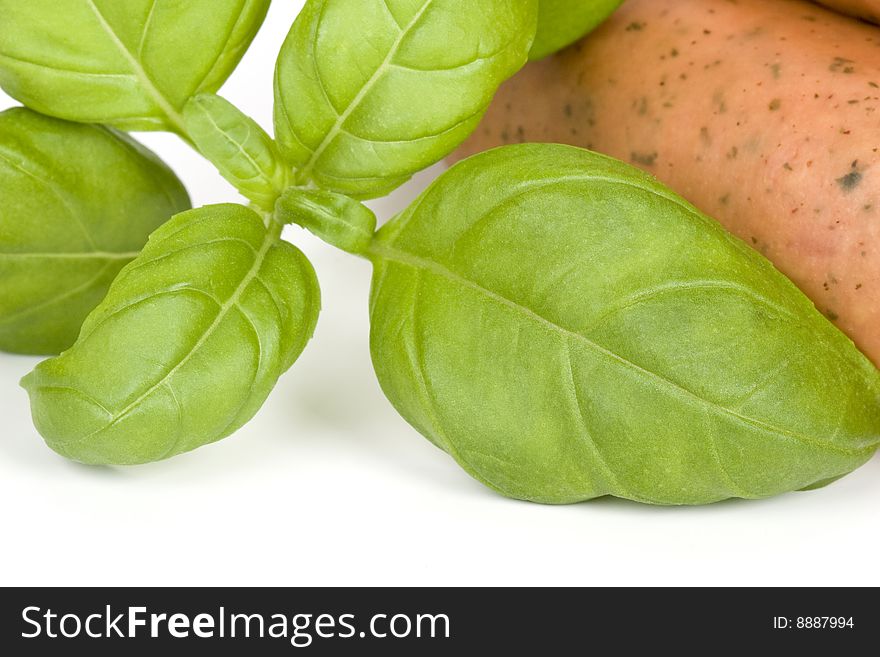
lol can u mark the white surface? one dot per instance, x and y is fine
(328, 486)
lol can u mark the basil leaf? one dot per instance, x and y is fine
(79, 202)
(335, 218)
(565, 327)
(368, 93)
(187, 345)
(129, 63)
(240, 149)
(562, 22)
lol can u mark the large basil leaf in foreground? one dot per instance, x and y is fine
(368, 93)
(566, 328)
(78, 203)
(562, 22)
(130, 63)
(187, 345)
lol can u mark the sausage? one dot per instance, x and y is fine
(765, 115)
(866, 9)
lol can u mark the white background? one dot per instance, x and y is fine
(328, 486)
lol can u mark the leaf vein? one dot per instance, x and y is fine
(137, 67)
(306, 171)
(416, 262)
(68, 71)
(223, 311)
(61, 296)
(582, 420)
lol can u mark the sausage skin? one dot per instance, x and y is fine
(765, 115)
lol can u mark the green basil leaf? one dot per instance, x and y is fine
(187, 345)
(79, 202)
(562, 22)
(240, 149)
(566, 327)
(335, 218)
(129, 63)
(368, 93)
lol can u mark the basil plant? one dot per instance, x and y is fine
(559, 323)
